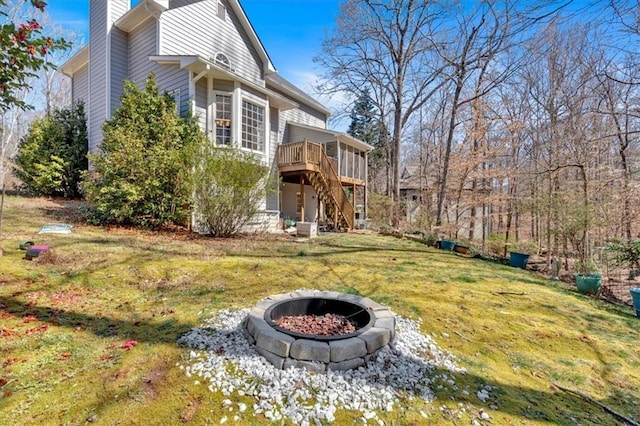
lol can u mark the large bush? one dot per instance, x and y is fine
(141, 176)
(53, 154)
(229, 189)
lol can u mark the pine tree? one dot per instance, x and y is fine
(367, 126)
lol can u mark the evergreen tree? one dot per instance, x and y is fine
(142, 174)
(366, 126)
(53, 154)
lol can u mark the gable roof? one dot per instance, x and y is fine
(284, 85)
(153, 8)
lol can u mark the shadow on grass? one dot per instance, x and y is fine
(407, 375)
(166, 330)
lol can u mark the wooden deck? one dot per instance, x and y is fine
(308, 162)
(301, 157)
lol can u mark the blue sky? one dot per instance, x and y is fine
(291, 30)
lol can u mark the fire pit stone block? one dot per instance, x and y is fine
(310, 350)
(349, 364)
(365, 301)
(274, 342)
(375, 338)
(274, 359)
(278, 297)
(318, 353)
(388, 323)
(315, 367)
(342, 350)
(256, 322)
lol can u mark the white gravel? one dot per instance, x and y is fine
(221, 355)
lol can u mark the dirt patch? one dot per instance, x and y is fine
(153, 380)
(190, 411)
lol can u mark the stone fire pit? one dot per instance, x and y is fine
(374, 329)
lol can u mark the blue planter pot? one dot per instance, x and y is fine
(635, 295)
(518, 260)
(589, 284)
(447, 245)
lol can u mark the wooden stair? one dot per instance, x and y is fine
(317, 168)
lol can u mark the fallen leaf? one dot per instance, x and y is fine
(65, 355)
(3, 381)
(29, 318)
(129, 344)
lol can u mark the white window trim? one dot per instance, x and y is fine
(214, 127)
(264, 104)
(175, 94)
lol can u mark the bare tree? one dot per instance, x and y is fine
(386, 45)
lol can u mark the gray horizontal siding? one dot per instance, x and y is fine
(80, 85)
(300, 117)
(97, 108)
(119, 65)
(142, 44)
(196, 29)
(297, 134)
(201, 103)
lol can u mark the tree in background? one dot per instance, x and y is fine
(387, 46)
(367, 126)
(142, 174)
(53, 154)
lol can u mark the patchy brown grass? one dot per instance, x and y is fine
(67, 320)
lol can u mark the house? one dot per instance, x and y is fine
(418, 192)
(207, 55)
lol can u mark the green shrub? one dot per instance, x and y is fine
(53, 154)
(380, 210)
(142, 174)
(229, 188)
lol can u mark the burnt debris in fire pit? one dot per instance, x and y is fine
(321, 325)
(316, 345)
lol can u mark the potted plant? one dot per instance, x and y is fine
(447, 244)
(635, 296)
(588, 277)
(462, 248)
(519, 253)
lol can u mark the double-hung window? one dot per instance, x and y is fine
(223, 119)
(253, 136)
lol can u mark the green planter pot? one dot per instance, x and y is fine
(635, 295)
(447, 245)
(589, 284)
(518, 260)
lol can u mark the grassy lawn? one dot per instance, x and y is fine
(66, 318)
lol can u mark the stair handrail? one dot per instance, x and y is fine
(337, 191)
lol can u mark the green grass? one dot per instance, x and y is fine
(65, 318)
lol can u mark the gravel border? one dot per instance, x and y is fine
(222, 356)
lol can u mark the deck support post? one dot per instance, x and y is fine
(353, 203)
(302, 198)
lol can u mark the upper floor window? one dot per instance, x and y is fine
(223, 119)
(253, 126)
(222, 60)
